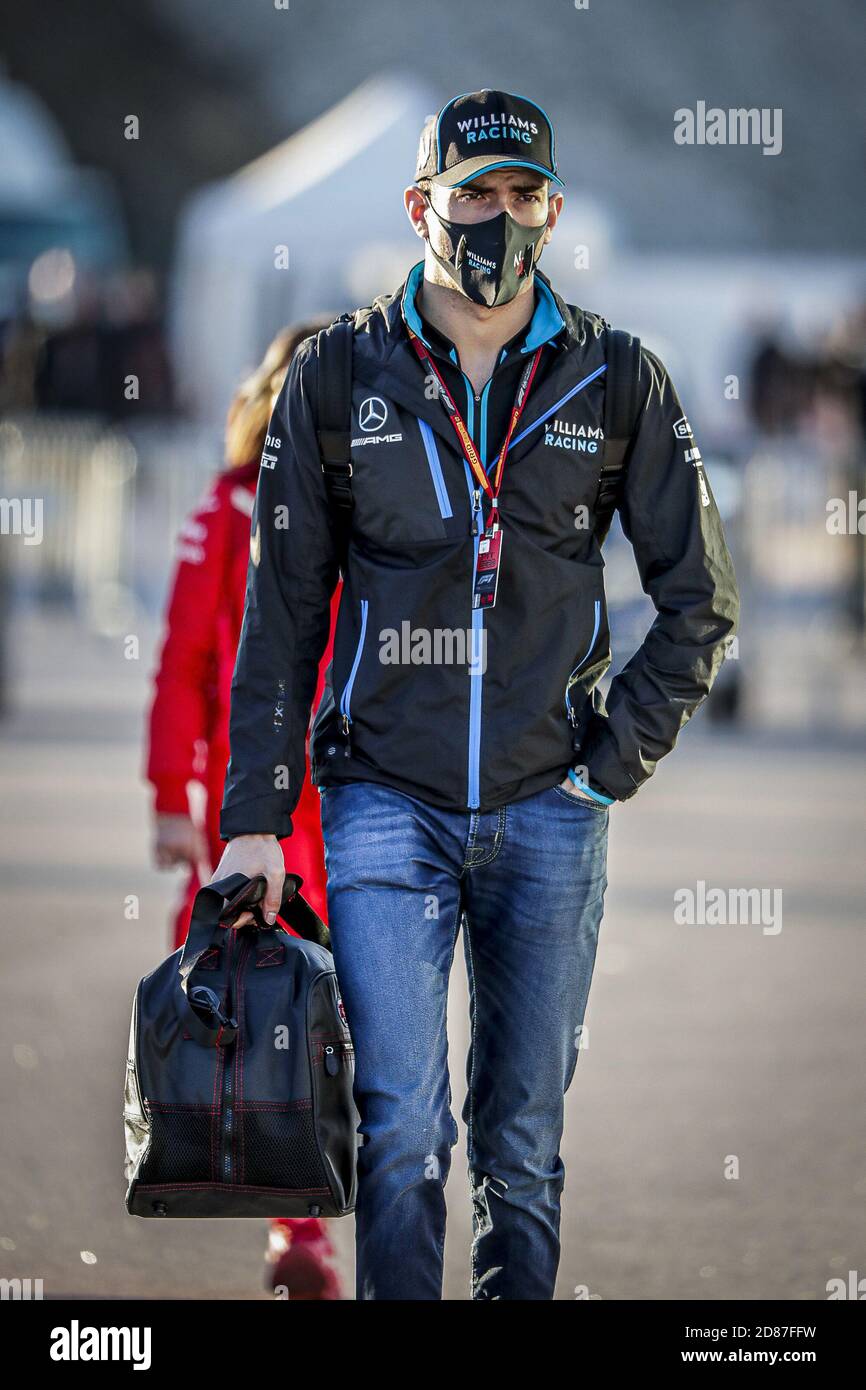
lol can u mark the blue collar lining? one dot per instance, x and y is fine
(544, 325)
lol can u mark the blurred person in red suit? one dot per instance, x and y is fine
(188, 728)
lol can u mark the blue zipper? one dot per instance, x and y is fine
(475, 672)
(432, 453)
(346, 697)
(476, 676)
(561, 402)
(572, 718)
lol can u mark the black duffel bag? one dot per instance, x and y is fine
(238, 1097)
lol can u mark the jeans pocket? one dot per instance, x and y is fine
(586, 802)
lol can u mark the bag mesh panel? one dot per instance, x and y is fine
(279, 1149)
(180, 1149)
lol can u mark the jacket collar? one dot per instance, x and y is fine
(546, 323)
(385, 361)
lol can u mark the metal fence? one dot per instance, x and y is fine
(66, 493)
(89, 511)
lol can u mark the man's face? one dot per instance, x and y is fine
(520, 192)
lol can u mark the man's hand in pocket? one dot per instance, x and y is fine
(568, 786)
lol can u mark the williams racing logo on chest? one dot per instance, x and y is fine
(576, 439)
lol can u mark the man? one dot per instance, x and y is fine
(465, 765)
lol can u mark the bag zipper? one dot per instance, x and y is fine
(228, 1114)
(346, 697)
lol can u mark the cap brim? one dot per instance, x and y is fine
(469, 169)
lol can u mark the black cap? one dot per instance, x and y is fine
(480, 131)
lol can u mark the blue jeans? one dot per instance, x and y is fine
(528, 881)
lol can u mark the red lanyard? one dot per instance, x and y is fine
(464, 436)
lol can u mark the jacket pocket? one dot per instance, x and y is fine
(432, 452)
(570, 711)
(398, 487)
(346, 696)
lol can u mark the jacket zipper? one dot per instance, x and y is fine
(572, 717)
(476, 676)
(346, 697)
(429, 440)
(551, 410)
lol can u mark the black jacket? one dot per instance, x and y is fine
(455, 707)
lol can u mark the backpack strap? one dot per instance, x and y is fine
(621, 403)
(334, 412)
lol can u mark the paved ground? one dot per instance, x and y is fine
(706, 1042)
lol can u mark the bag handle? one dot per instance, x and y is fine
(216, 907)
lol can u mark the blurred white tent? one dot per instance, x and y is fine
(327, 201)
(49, 204)
(33, 151)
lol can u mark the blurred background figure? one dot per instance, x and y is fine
(188, 728)
(187, 181)
(188, 738)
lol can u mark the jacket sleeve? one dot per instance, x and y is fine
(670, 516)
(291, 575)
(185, 672)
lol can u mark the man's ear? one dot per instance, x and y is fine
(415, 204)
(554, 208)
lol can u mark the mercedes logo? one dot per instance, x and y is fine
(372, 414)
